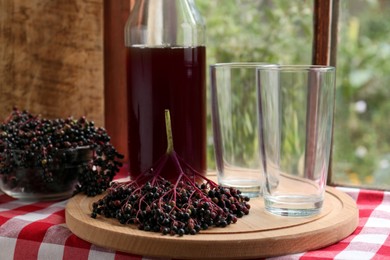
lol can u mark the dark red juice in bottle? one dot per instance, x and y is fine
(162, 78)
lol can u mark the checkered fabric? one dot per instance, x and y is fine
(37, 230)
(370, 240)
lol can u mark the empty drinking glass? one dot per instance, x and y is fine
(234, 118)
(296, 105)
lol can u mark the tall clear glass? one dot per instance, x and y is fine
(296, 106)
(166, 69)
(234, 118)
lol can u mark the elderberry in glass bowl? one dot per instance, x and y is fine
(44, 158)
(34, 178)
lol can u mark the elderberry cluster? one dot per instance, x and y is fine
(172, 208)
(29, 141)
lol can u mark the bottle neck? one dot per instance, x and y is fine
(165, 23)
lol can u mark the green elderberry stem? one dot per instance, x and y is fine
(168, 128)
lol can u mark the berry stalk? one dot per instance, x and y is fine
(168, 129)
(186, 206)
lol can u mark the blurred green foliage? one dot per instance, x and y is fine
(256, 31)
(362, 136)
(280, 31)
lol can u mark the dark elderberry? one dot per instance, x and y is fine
(132, 203)
(30, 141)
(176, 208)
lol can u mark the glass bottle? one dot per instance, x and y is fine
(166, 69)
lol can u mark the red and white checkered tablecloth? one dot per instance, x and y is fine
(37, 230)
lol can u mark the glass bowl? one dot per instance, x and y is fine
(27, 181)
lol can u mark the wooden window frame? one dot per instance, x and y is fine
(324, 51)
(115, 15)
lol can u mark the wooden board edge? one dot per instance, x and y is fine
(347, 223)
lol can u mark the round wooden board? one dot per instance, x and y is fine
(258, 234)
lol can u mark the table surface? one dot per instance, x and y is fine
(37, 230)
